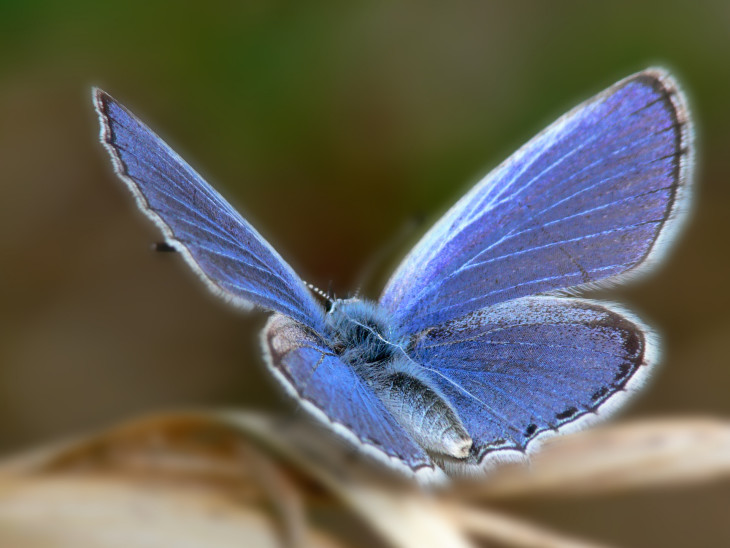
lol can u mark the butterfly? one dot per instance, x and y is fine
(480, 345)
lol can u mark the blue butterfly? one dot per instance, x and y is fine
(479, 346)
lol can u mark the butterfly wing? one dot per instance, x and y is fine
(222, 247)
(592, 198)
(332, 392)
(519, 369)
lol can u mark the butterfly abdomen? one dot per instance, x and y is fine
(360, 332)
(423, 411)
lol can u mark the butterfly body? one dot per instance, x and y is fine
(481, 344)
(361, 334)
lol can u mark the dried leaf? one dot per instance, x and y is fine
(636, 455)
(263, 469)
(404, 515)
(208, 478)
(54, 512)
(508, 531)
(182, 469)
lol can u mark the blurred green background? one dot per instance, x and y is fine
(332, 125)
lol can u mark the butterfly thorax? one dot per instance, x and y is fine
(361, 333)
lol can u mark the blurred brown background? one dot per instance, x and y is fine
(331, 125)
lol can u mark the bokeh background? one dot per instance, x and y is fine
(334, 126)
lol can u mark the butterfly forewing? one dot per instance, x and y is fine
(221, 246)
(584, 201)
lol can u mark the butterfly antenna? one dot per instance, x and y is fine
(385, 251)
(321, 293)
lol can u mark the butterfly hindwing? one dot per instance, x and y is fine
(221, 246)
(584, 201)
(519, 369)
(332, 392)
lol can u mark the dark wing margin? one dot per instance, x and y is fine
(330, 391)
(227, 253)
(521, 371)
(593, 199)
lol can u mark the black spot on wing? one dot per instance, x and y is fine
(568, 413)
(599, 394)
